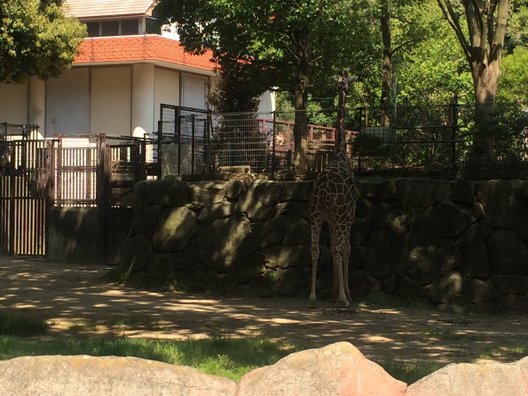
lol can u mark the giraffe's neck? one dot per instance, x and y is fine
(340, 145)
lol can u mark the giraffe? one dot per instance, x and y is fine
(333, 201)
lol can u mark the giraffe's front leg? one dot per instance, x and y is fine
(315, 259)
(338, 268)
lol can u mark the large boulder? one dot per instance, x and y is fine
(337, 369)
(478, 379)
(88, 375)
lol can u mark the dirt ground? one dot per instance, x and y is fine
(74, 300)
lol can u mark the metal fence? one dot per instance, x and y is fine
(198, 143)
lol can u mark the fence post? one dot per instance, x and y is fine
(177, 132)
(102, 190)
(159, 148)
(454, 127)
(59, 171)
(193, 130)
(273, 154)
(207, 149)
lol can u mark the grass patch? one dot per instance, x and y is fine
(409, 372)
(21, 326)
(226, 357)
(377, 300)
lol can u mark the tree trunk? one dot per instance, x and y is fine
(387, 63)
(300, 128)
(482, 42)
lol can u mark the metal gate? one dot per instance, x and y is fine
(25, 194)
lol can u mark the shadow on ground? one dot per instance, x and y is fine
(74, 300)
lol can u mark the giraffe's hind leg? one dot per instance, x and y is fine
(316, 228)
(337, 258)
(346, 258)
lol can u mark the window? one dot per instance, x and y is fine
(110, 28)
(153, 26)
(115, 27)
(93, 29)
(129, 26)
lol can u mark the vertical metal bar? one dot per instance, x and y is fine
(59, 186)
(159, 148)
(205, 147)
(12, 192)
(193, 130)
(454, 136)
(102, 189)
(178, 139)
(273, 147)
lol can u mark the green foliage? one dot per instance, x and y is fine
(36, 39)
(501, 141)
(326, 35)
(21, 326)
(514, 78)
(236, 91)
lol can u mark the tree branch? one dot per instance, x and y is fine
(452, 19)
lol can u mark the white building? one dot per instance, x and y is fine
(123, 72)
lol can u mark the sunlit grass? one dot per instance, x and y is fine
(226, 357)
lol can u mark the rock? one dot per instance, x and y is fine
(406, 287)
(448, 219)
(337, 369)
(463, 192)
(385, 253)
(221, 242)
(296, 191)
(166, 192)
(510, 284)
(479, 292)
(88, 375)
(507, 253)
(208, 192)
(175, 228)
(145, 222)
(384, 190)
(430, 257)
(503, 201)
(422, 193)
(445, 289)
(477, 379)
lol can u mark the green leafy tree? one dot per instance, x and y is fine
(482, 39)
(295, 46)
(36, 39)
(433, 70)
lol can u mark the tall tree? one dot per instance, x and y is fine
(36, 39)
(482, 40)
(295, 46)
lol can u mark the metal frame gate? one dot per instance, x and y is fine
(36, 175)
(25, 194)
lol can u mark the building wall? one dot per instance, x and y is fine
(68, 103)
(143, 102)
(167, 90)
(115, 100)
(14, 103)
(111, 90)
(194, 91)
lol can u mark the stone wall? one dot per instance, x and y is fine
(447, 242)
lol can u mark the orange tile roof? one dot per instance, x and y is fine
(140, 48)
